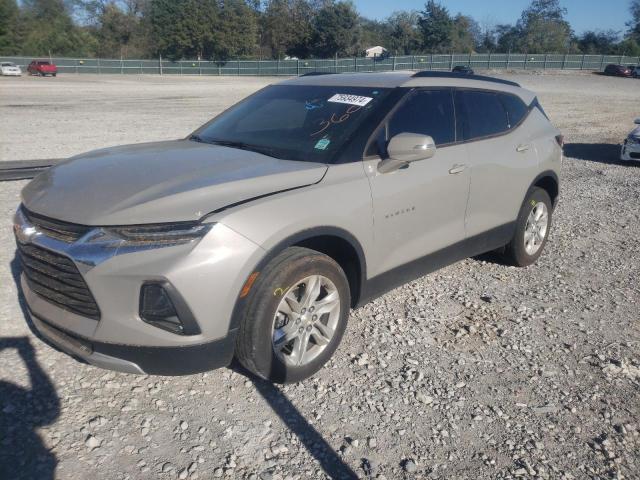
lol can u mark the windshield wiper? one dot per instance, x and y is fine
(245, 146)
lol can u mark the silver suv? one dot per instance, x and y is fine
(254, 236)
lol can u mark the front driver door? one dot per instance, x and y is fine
(419, 209)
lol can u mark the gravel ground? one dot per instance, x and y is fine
(66, 115)
(477, 371)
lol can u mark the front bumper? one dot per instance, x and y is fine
(208, 274)
(630, 151)
(140, 359)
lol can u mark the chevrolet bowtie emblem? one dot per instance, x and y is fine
(24, 233)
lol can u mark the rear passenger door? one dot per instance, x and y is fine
(502, 158)
(418, 209)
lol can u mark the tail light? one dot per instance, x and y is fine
(560, 140)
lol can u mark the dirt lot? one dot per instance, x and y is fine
(477, 371)
(63, 116)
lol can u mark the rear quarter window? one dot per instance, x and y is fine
(515, 107)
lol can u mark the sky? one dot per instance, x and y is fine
(581, 14)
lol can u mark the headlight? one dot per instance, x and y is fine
(161, 234)
(633, 140)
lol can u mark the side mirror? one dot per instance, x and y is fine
(405, 148)
(637, 121)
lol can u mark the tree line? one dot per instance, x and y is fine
(225, 29)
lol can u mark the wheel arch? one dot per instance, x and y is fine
(548, 181)
(334, 242)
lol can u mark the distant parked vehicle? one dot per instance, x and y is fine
(463, 69)
(635, 71)
(631, 146)
(618, 70)
(10, 69)
(42, 68)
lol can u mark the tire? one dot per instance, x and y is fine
(263, 345)
(523, 252)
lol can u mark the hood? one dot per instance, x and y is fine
(160, 182)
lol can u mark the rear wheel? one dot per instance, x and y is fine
(532, 229)
(295, 317)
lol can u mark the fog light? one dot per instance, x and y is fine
(157, 308)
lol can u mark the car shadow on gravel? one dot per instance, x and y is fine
(596, 152)
(22, 412)
(313, 441)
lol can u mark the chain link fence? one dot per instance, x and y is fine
(337, 65)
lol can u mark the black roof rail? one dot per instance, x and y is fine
(315, 74)
(431, 74)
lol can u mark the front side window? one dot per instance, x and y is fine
(481, 114)
(426, 112)
(295, 122)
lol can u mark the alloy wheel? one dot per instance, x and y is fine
(306, 320)
(536, 228)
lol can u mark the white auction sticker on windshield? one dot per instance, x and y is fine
(350, 99)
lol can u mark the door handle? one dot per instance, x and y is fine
(523, 148)
(457, 168)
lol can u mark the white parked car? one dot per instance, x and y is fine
(10, 68)
(631, 146)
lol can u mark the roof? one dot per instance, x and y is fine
(410, 79)
(380, 80)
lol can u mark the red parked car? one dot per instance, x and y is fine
(42, 68)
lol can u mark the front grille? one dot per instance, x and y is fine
(55, 278)
(64, 231)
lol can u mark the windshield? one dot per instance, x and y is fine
(8, 64)
(295, 122)
(43, 63)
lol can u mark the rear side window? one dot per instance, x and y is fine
(515, 107)
(480, 114)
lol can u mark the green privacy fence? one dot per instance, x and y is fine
(337, 65)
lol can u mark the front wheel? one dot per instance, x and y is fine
(295, 316)
(532, 229)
